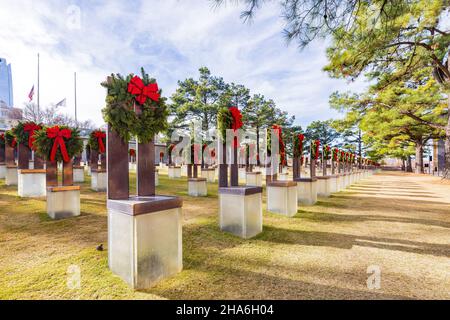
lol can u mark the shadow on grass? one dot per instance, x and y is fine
(346, 241)
(329, 217)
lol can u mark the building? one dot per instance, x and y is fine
(6, 87)
(9, 117)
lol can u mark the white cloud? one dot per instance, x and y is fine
(172, 39)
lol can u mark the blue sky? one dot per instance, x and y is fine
(171, 39)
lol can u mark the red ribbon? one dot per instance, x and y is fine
(237, 123)
(31, 128)
(237, 118)
(100, 135)
(316, 145)
(280, 140)
(59, 135)
(142, 92)
(335, 154)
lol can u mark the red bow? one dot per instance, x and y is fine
(280, 138)
(317, 145)
(31, 128)
(14, 143)
(142, 92)
(59, 135)
(237, 123)
(100, 135)
(237, 118)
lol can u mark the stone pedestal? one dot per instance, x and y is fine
(99, 179)
(78, 174)
(282, 197)
(351, 179)
(241, 211)
(324, 186)
(346, 180)
(242, 173)
(2, 170)
(197, 187)
(333, 184)
(307, 191)
(31, 164)
(209, 174)
(174, 172)
(63, 202)
(283, 177)
(11, 178)
(341, 181)
(254, 179)
(145, 239)
(32, 183)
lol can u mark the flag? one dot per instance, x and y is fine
(62, 103)
(31, 94)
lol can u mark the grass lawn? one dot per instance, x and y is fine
(395, 221)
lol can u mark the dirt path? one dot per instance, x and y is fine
(391, 223)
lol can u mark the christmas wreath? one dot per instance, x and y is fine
(24, 133)
(10, 138)
(2, 140)
(228, 118)
(335, 154)
(298, 144)
(58, 143)
(97, 141)
(326, 152)
(134, 107)
(315, 146)
(341, 156)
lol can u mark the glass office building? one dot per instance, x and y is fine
(6, 89)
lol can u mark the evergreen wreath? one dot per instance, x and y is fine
(93, 141)
(326, 152)
(335, 154)
(23, 130)
(122, 104)
(10, 138)
(224, 122)
(298, 145)
(315, 145)
(2, 140)
(44, 144)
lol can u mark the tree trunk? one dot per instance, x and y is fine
(409, 165)
(447, 148)
(419, 157)
(258, 160)
(359, 149)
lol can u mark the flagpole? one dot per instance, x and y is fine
(75, 87)
(38, 93)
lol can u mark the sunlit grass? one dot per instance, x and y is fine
(323, 252)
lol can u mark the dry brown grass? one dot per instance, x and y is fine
(395, 221)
